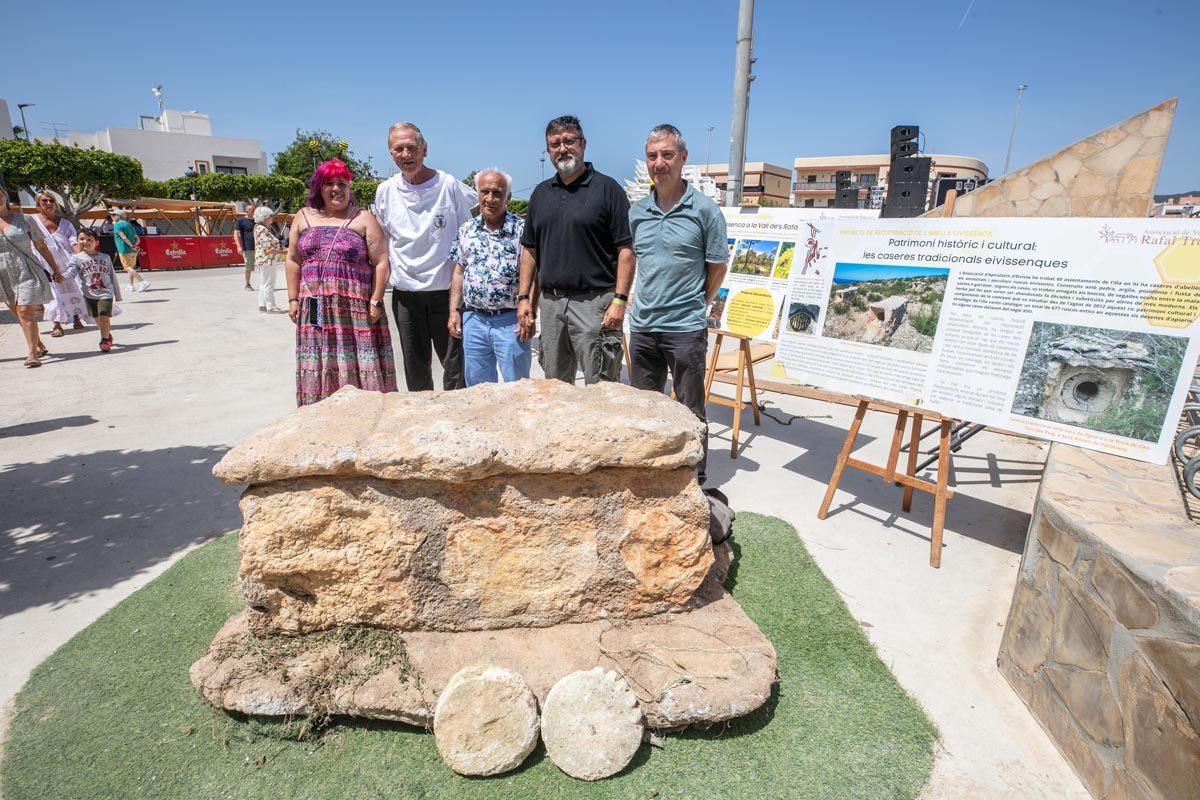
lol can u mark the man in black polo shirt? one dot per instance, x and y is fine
(578, 246)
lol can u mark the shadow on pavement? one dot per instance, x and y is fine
(45, 426)
(83, 523)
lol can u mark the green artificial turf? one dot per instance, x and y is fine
(112, 715)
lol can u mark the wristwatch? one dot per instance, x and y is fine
(623, 297)
(521, 297)
(377, 303)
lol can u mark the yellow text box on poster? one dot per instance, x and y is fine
(750, 312)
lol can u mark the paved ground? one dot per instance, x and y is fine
(105, 480)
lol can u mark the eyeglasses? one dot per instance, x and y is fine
(566, 141)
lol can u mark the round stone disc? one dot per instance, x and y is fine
(486, 721)
(591, 724)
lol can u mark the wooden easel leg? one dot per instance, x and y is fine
(914, 448)
(840, 466)
(750, 375)
(889, 472)
(939, 499)
(737, 400)
(712, 368)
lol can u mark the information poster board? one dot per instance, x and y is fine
(765, 244)
(1082, 331)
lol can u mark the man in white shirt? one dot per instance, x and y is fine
(420, 211)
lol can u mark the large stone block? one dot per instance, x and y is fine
(488, 430)
(1161, 745)
(496, 553)
(1074, 746)
(1178, 664)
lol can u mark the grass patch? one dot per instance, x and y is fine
(111, 714)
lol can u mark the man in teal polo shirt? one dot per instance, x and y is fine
(126, 238)
(679, 242)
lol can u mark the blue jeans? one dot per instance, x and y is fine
(491, 341)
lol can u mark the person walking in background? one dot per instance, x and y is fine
(67, 305)
(126, 238)
(337, 272)
(243, 240)
(266, 257)
(576, 245)
(483, 291)
(679, 239)
(94, 272)
(420, 210)
(24, 285)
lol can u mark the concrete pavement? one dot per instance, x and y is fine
(105, 480)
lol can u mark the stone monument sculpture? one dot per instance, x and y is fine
(392, 540)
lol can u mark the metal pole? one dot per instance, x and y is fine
(708, 152)
(741, 103)
(1021, 87)
(24, 126)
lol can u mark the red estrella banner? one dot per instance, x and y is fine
(179, 252)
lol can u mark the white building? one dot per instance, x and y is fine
(170, 145)
(639, 187)
(6, 123)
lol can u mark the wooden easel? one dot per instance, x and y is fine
(741, 362)
(908, 479)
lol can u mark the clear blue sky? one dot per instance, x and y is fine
(482, 79)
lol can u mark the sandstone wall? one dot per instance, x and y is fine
(1103, 637)
(1109, 174)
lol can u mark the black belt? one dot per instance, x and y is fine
(488, 312)
(571, 292)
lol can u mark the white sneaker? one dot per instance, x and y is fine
(135, 287)
(143, 286)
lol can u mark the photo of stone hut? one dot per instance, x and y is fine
(1105, 380)
(886, 305)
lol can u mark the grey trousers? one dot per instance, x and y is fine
(572, 338)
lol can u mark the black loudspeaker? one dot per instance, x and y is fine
(846, 198)
(910, 170)
(961, 185)
(903, 150)
(905, 133)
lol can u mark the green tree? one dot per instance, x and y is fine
(220, 187)
(81, 178)
(518, 207)
(364, 191)
(296, 160)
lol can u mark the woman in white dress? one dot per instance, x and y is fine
(68, 305)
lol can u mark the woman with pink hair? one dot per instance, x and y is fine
(337, 271)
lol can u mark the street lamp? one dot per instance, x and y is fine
(1021, 87)
(24, 127)
(542, 159)
(191, 175)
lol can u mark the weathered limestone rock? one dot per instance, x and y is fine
(492, 429)
(705, 665)
(591, 724)
(486, 721)
(1178, 664)
(494, 553)
(534, 526)
(1161, 746)
(1061, 547)
(531, 503)
(1067, 737)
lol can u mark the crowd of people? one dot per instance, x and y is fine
(470, 288)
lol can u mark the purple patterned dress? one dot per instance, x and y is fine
(336, 344)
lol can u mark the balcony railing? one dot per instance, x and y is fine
(814, 186)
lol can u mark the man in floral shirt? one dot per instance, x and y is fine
(483, 291)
